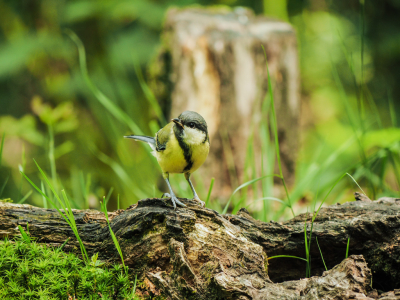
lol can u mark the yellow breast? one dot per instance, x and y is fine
(172, 159)
(199, 155)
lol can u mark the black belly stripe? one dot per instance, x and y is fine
(187, 152)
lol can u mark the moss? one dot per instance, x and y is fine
(266, 262)
(32, 271)
(207, 271)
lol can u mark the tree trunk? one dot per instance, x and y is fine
(212, 62)
(196, 253)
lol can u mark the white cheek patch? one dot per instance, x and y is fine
(193, 136)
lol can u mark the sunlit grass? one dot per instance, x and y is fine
(2, 146)
(3, 185)
(114, 238)
(66, 214)
(274, 125)
(209, 191)
(320, 251)
(247, 193)
(362, 117)
(348, 247)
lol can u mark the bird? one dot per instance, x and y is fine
(181, 146)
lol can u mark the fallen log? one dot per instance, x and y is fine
(196, 253)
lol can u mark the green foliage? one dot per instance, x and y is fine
(274, 125)
(348, 247)
(287, 256)
(209, 191)
(114, 238)
(25, 237)
(32, 271)
(322, 257)
(67, 213)
(1, 147)
(348, 93)
(243, 186)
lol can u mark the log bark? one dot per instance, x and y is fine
(196, 253)
(212, 62)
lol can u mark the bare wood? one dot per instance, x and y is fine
(196, 253)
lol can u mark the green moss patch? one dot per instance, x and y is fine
(32, 271)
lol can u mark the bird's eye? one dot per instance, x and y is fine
(192, 125)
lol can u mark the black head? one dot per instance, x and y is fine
(191, 119)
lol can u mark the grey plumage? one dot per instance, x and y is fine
(148, 139)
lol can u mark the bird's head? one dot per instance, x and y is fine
(192, 127)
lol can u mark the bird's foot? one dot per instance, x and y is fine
(174, 200)
(202, 203)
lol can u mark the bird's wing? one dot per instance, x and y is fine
(148, 139)
(162, 136)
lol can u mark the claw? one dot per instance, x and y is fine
(202, 203)
(174, 200)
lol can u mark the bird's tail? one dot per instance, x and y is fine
(147, 139)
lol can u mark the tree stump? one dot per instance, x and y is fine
(196, 253)
(212, 62)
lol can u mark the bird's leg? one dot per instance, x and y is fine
(171, 193)
(195, 197)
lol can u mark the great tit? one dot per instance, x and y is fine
(181, 146)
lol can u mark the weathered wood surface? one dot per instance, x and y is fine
(196, 253)
(212, 62)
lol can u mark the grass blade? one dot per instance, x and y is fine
(121, 173)
(326, 196)
(67, 215)
(51, 156)
(210, 190)
(245, 185)
(44, 192)
(114, 238)
(326, 269)
(109, 195)
(63, 245)
(347, 248)
(2, 146)
(134, 287)
(4, 184)
(149, 95)
(85, 187)
(103, 99)
(267, 199)
(72, 224)
(229, 157)
(25, 197)
(49, 183)
(275, 129)
(64, 216)
(25, 236)
(308, 268)
(287, 256)
(391, 110)
(356, 183)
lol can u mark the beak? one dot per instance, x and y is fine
(178, 122)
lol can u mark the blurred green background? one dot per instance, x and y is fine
(349, 57)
